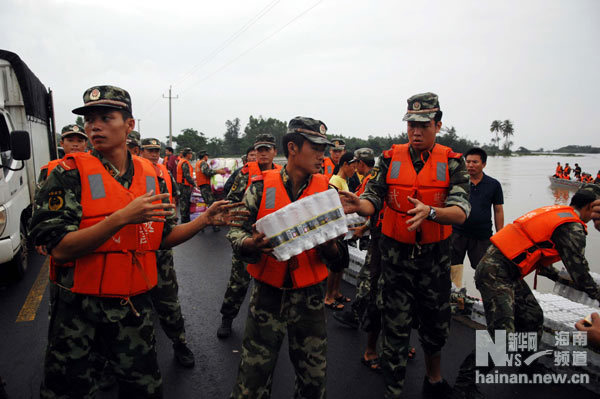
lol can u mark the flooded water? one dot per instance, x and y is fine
(526, 186)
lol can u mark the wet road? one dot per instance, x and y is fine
(202, 266)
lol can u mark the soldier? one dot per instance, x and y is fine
(425, 187)
(286, 296)
(72, 139)
(88, 214)
(335, 153)
(134, 143)
(239, 279)
(186, 183)
(250, 156)
(164, 295)
(531, 243)
(203, 175)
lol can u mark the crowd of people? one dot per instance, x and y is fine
(584, 177)
(107, 220)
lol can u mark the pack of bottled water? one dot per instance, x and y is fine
(304, 224)
(572, 293)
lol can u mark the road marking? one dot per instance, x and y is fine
(32, 303)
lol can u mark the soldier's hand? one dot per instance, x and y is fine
(221, 171)
(359, 231)
(225, 213)
(420, 212)
(142, 209)
(41, 249)
(593, 330)
(258, 242)
(596, 214)
(350, 201)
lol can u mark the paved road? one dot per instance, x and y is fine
(202, 266)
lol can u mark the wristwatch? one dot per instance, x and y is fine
(432, 213)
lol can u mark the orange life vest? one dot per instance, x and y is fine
(252, 170)
(559, 169)
(377, 219)
(179, 178)
(567, 170)
(305, 269)
(125, 265)
(429, 186)
(50, 166)
(328, 167)
(528, 240)
(164, 174)
(201, 178)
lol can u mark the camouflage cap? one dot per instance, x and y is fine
(71, 130)
(264, 140)
(422, 107)
(364, 154)
(590, 188)
(338, 144)
(186, 151)
(311, 129)
(150, 144)
(202, 153)
(133, 139)
(104, 97)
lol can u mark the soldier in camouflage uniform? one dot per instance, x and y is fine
(276, 310)
(415, 278)
(185, 183)
(207, 172)
(82, 323)
(508, 301)
(72, 139)
(239, 279)
(134, 143)
(164, 295)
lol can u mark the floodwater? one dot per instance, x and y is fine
(525, 184)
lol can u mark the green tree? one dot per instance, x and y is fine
(215, 147)
(79, 121)
(450, 138)
(495, 128)
(190, 138)
(232, 140)
(508, 131)
(260, 125)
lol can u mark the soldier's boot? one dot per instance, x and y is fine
(467, 392)
(465, 385)
(224, 330)
(349, 318)
(438, 390)
(183, 354)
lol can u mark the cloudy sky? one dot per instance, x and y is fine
(351, 64)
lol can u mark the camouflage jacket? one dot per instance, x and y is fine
(187, 175)
(252, 198)
(458, 192)
(569, 240)
(207, 170)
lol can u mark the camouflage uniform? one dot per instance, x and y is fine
(508, 301)
(186, 193)
(415, 279)
(79, 323)
(274, 311)
(205, 189)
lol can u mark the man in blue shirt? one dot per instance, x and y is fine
(473, 237)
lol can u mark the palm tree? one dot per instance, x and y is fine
(496, 127)
(508, 130)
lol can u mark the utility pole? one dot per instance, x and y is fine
(170, 117)
(139, 126)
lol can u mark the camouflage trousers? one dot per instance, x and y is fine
(365, 302)
(184, 202)
(207, 194)
(508, 303)
(414, 284)
(239, 281)
(273, 312)
(165, 299)
(81, 325)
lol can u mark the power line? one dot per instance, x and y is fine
(255, 46)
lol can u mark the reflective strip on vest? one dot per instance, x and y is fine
(97, 186)
(270, 198)
(150, 184)
(329, 171)
(441, 171)
(395, 169)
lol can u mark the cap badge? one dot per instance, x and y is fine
(416, 106)
(95, 94)
(75, 128)
(322, 129)
(153, 142)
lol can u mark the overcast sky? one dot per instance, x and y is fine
(351, 64)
